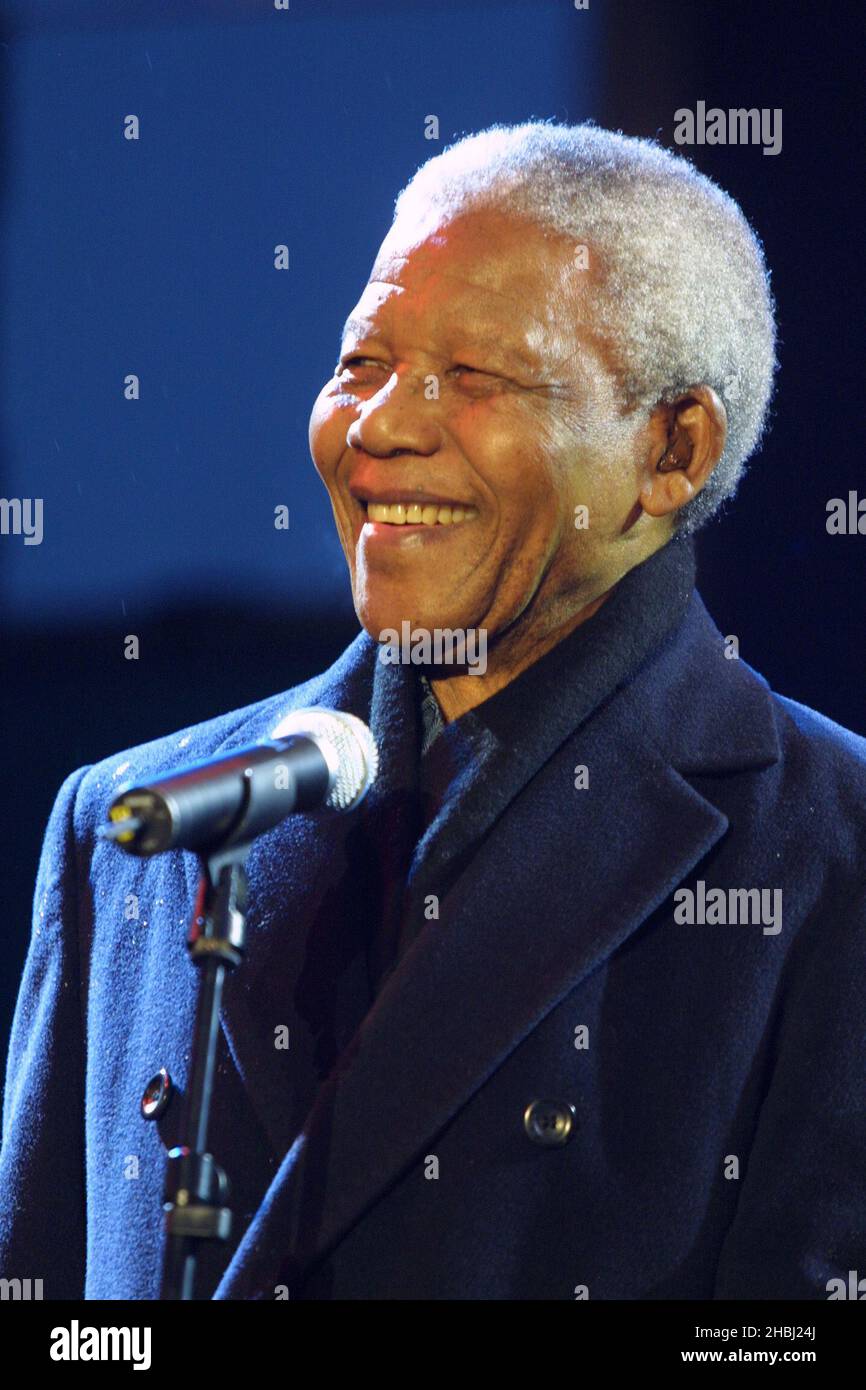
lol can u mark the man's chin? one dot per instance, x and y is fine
(389, 621)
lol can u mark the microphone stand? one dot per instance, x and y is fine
(196, 1189)
(334, 761)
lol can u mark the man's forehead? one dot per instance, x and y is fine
(487, 273)
(437, 323)
(452, 309)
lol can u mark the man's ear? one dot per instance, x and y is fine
(688, 437)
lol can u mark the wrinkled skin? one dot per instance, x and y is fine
(470, 374)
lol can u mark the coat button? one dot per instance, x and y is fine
(549, 1122)
(157, 1094)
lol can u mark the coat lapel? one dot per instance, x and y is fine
(607, 859)
(315, 889)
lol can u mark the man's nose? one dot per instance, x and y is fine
(398, 419)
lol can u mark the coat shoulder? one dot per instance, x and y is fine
(822, 750)
(825, 736)
(97, 784)
(821, 794)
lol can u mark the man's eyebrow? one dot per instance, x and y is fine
(357, 328)
(500, 347)
(489, 342)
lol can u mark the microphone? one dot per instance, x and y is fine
(314, 758)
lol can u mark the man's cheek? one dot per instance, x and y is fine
(322, 408)
(328, 441)
(316, 436)
(528, 522)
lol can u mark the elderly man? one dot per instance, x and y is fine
(574, 1001)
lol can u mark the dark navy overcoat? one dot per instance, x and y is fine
(711, 1075)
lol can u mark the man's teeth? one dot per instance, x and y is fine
(396, 514)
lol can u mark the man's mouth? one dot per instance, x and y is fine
(417, 514)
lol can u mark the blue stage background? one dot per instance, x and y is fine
(156, 257)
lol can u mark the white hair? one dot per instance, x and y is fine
(684, 295)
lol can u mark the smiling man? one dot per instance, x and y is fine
(475, 416)
(575, 997)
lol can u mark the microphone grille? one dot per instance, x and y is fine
(356, 754)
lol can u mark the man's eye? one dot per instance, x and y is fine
(350, 364)
(462, 369)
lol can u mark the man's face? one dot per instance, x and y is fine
(469, 379)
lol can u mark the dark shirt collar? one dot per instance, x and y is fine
(439, 806)
(565, 685)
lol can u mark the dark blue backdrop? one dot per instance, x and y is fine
(155, 257)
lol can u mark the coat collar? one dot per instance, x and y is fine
(374, 1111)
(499, 746)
